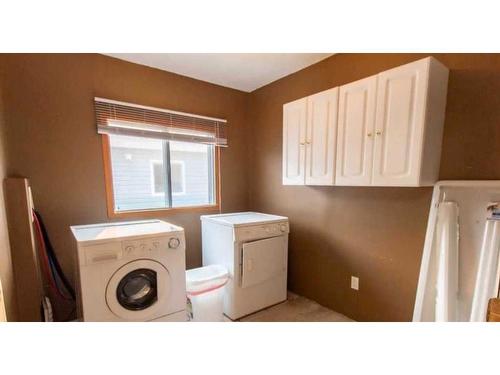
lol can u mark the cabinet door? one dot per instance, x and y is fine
(294, 138)
(321, 137)
(355, 134)
(399, 125)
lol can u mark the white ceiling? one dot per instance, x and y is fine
(241, 71)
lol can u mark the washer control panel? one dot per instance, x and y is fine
(150, 245)
(143, 247)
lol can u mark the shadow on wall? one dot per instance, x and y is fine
(471, 132)
(375, 233)
(386, 256)
(56, 91)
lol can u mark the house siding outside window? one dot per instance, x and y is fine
(136, 184)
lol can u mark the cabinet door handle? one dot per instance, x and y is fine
(369, 135)
(379, 132)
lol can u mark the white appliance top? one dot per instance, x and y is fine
(244, 218)
(117, 231)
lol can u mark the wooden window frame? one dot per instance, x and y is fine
(154, 212)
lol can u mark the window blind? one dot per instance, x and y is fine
(114, 117)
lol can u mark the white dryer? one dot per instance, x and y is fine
(131, 271)
(254, 248)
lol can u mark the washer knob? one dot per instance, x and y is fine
(283, 227)
(174, 243)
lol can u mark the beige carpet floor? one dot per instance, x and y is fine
(296, 309)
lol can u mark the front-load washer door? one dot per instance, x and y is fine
(263, 260)
(139, 290)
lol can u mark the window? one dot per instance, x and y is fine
(156, 174)
(158, 182)
(177, 173)
(157, 159)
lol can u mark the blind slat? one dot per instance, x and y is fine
(128, 119)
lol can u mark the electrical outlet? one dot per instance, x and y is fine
(355, 282)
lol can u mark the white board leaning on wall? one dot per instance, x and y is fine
(3, 315)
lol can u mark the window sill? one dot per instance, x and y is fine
(156, 213)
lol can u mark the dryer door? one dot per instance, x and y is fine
(138, 290)
(263, 260)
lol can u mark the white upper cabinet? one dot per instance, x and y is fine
(309, 139)
(409, 123)
(294, 140)
(388, 130)
(355, 132)
(321, 137)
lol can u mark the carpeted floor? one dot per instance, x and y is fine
(296, 309)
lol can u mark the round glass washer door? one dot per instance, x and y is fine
(138, 290)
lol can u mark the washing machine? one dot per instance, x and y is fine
(254, 248)
(131, 271)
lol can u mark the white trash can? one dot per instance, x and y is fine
(205, 293)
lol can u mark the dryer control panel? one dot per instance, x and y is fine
(261, 231)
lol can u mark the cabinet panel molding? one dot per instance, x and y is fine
(321, 139)
(399, 125)
(294, 138)
(355, 132)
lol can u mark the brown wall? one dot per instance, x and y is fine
(376, 234)
(52, 139)
(6, 271)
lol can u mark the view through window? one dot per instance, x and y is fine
(156, 174)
